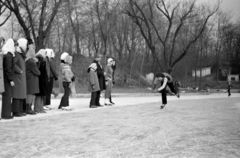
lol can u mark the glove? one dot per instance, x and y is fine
(93, 87)
(12, 83)
(113, 82)
(73, 79)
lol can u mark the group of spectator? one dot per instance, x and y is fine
(28, 78)
(101, 79)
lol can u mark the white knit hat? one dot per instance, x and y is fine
(109, 60)
(64, 55)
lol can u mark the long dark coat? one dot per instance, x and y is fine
(101, 77)
(32, 77)
(8, 66)
(43, 78)
(1, 74)
(53, 71)
(19, 90)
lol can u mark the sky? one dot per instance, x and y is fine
(231, 6)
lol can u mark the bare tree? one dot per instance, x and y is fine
(29, 13)
(3, 11)
(176, 18)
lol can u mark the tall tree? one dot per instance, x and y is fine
(167, 21)
(35, 17)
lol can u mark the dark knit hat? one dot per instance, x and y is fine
(160, 75)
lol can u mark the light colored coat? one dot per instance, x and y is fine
(67, 73)
(93, 80)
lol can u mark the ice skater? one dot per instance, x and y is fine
(229, 86)
(166, 80)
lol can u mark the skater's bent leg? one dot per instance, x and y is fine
(171, 86)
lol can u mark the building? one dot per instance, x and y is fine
(233, 77)
(205, 72)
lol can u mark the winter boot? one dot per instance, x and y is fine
(29, 110)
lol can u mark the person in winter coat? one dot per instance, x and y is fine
(108, 71)
(47, 98)
(43, 82)
(101, 77)
(166, 80)
(8, 51)
(229, 86)
(93, 86)
(67, 76)
(32, 73)
(113, 80)
(53, 73)
(19, 91)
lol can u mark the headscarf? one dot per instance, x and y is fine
(31, 52)
(22, 45)
(50, 53)
(63, 56)
(9, 47)
(93, 66)
(42, 52)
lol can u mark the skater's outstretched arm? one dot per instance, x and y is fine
(164, 84)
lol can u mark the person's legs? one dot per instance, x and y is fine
(110, 98)
(171, 86)
(98, 98)
(17, 107)
(107, 96)
(164, 96)
(65, 98)
(229, 92)
(29, 101)
(38, 104)
(93, 102)
(6, 101)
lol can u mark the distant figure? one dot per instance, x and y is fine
(93, 86)
(108, 71)
(113, 80)
(67, 76)
(229, 86)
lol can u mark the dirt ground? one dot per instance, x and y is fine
(198, 126)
